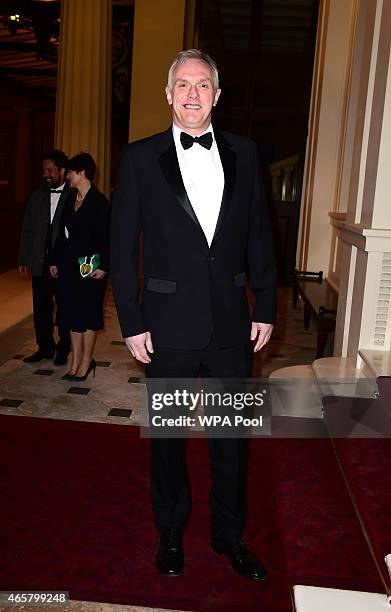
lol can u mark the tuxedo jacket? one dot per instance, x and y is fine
(190, 291)
(34, 247)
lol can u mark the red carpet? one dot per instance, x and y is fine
(366, 461)
(76, 516)
(367, 466)
(323, 541)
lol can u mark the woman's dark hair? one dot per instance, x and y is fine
(83, 161)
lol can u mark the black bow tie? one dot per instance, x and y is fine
(205, 140)
(56, 191)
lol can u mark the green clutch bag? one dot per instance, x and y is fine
(88, 264)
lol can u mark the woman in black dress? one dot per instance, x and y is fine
(84, 232)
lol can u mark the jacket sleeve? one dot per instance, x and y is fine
(126, 225)
(260, 252)
(27, 236)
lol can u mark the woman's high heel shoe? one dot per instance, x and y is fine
(92, 366)
(68, 376)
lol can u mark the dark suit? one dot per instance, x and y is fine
(37, 238)
(194, 299)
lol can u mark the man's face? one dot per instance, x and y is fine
(192, 96)
(52, 176)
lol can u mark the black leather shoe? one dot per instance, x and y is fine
(242, 561)
(60, 359)
(169, 558)
(38, 356)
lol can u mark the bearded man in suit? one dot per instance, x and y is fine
(195, 194)
(39, 233)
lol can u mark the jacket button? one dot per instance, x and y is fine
(211, 258)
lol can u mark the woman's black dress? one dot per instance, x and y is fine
(83, 232)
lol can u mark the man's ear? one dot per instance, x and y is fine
(217, 96)
(168, 96)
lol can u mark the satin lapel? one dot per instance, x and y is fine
(58, 214)
(61, 201)
(228, 161)
(169, 164)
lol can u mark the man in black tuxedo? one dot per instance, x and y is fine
(39, 233)
(195, 193)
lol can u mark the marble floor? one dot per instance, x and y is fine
(15, 293)
(116, 393)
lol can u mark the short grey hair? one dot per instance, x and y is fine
(184, 56)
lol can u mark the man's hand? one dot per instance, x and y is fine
(23, 271)
(265, 331)
(139, 345)
(53, 271)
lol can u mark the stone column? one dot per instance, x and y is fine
(158, 37)
(83, 112)
(321, 191)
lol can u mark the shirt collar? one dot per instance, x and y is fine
(57, 188)
(176, 131)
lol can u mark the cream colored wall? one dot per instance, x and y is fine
(346, 219)
(158, 37)
(375, 208)
(364, 315)
(360, 110)
(321, 188)
(380, 215)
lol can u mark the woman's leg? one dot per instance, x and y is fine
(89, 339)
(77, 351)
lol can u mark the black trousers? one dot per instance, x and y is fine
(44, 297)
(170, 490)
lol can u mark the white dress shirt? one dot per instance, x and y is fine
(54, 199)
(203, 178)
